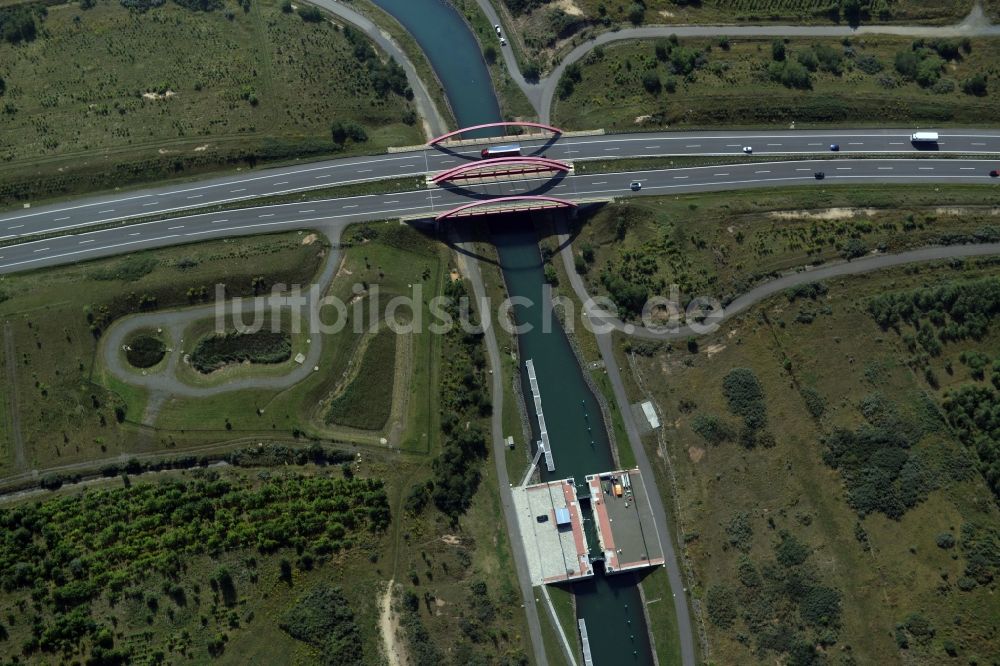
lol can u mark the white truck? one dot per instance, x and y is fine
(924, 137)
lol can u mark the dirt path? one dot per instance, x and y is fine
(388, 624)
(10, 362)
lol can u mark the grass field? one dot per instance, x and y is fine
(92, 102)
(738, 83)
(366, 401)
(721, 244)
(66, 406)
(395, 258)
(547, 30)
(793, 567)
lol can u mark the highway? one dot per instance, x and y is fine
(253, 184)
(340, 212)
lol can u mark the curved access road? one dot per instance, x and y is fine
(434, 121)
(109, 209)
(603, 320)
(541, 93)
(175, 321)
(334, 214)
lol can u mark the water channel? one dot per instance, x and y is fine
(611, 605)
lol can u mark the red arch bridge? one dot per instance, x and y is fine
(460, 132)
(516, 204)
(501, 166)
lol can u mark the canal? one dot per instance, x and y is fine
(611, 605)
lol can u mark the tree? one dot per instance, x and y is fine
(3, 86)
(974, 85)
(532, 72)
(637, 13)
(310, 14)
(778, 49)
(651, 82)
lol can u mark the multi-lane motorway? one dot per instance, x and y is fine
(68, 217)
(80, 244)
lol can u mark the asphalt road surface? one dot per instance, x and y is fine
(252, 184)
(339, 212)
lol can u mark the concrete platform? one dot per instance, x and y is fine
(555, 552)
(625, 528)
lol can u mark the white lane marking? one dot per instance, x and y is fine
(351, 206)
(601, 182)
(284, 182)
(179, 226)
(196, 196)
(681, 177)
(571, 151)
(138, 233)
(60, 219)
(978, 144)
(266, 215)
(397, 200)
(102, 212)
(720, 174)
(407, 166)
(41, 249)
(84, 242)
(885, 168)
(814, 144)
(803, 169)
(693, 145)
(967, 168)
(323, 176)
(855, 143)
(151, 203)
(843, 168)
(650, 147)
(610, 149)
(16, 226)
(762, 171)
(733, 145)
(894, 143)
(774, 144)
(447, 161)
(364, 170)
(926, 168)
(242, 189)
(86, 250)
(219, 221)
(311, 210)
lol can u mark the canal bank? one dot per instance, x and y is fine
(611, 606)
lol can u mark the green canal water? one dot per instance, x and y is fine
(611, 605)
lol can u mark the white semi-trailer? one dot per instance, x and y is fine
(924, 137)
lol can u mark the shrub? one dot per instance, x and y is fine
(720, 602)
(745, 397)
(712, 429)
(789, 551)
(945, 540)
(740, 531)
(310, 14)
(323, 618)
(145, 351)
(814, 401)
(215, 351)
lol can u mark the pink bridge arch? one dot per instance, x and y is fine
(521, 204)
(459, 132)
(501, 166)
